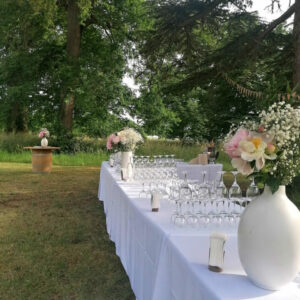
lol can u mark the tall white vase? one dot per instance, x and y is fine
(44, 142)
(269, 240)
(126, 158)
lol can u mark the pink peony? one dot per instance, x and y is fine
(242, 166)
(116, 139)
(231, 147)
(109, 142)
(41, 134)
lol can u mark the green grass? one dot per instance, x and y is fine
(53, 240)
(160, 147)
(78, 159)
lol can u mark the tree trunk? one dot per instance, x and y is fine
(17, 118)
(21, 124)
(11, 118)
(73, 50)
(296, 71)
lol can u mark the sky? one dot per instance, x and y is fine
(260, 6)
(264, 13)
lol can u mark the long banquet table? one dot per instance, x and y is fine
(164, 262)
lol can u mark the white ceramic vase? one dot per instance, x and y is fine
(269, 240)
(44, 142)
(126, 158)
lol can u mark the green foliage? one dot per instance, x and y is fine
(293, 191)
(188, 51)
(37, 74)
(71, 144)
(15, 142)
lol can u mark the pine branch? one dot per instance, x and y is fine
(203, 14)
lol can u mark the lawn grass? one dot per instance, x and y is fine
(53, 240)
(150, 147)
(78, 159)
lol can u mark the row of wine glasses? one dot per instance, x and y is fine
(194, 203)
(198, 205)
(161, 161)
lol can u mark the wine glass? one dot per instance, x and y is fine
(253, 189)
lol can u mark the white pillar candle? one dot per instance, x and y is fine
(216, 251)
(155, 201)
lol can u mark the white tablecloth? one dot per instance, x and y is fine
(195, 171)
(168, 263)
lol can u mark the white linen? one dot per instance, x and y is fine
(194, 172)
(164, 262)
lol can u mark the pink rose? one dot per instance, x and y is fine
(261, 128)
(231, 147)
(116, 139)
(109, 142)
(41, 134)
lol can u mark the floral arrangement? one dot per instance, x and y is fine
(44, 133)
(268, 148)
(125, 140)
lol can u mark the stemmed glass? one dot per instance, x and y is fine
(143, 192)
(192, 218)
(253, 189)
(235, 195)
(172, 160)
(184, 195)
(235, 188)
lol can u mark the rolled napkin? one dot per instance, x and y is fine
(155, 201)
(216, 251)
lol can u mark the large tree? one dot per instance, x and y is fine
(227, 53)
(65, 59)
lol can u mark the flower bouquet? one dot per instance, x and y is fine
(124, 140)
(268, 148)
(44, 133)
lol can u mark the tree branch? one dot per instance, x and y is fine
(276, 22)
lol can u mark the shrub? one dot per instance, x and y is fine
(13, 143)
